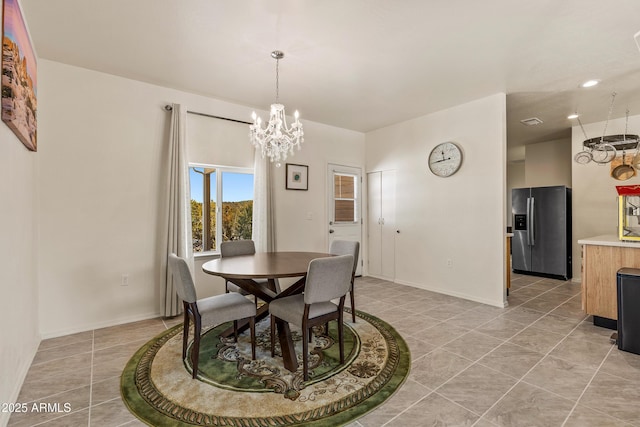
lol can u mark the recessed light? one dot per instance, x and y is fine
(573, 116)
(590, 83)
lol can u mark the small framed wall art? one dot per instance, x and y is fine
(297, 177)
(19, 88)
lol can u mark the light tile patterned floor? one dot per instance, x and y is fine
(538, 362)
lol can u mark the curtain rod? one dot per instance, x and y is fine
(169, 108)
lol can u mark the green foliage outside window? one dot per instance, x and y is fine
(237, 220)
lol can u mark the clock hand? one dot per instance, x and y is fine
(442, 160)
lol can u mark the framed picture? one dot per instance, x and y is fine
(19, 89)
(297, 177)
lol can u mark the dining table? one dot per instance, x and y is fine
(243, 270)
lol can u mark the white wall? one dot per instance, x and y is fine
(548, 163)
(594, 193)
(19, 337)
(102, 186)
(461, 218)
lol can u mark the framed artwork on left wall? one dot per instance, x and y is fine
(19, 76)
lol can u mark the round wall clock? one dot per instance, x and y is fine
(445, 159)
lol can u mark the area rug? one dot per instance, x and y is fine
(233, 390)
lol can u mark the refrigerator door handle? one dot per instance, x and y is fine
(528, 224)
(533, 221)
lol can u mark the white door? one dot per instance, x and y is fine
(381, 224)
(345, 207)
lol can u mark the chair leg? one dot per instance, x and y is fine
(235, 330)
(305, 353)
(273, 335)
(341, 337)
(195, 351)
(185, 333)
(252, 327)
(353, 303)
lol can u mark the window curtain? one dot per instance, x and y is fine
(263, 228)
(178, 211)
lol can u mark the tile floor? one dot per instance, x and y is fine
(538, 362)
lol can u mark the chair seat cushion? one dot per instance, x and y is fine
(223, 308)
(291, 309)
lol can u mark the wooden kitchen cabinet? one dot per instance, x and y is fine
(602, 257)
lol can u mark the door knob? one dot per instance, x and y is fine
(331, 231)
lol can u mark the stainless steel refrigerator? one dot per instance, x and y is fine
(541, 243)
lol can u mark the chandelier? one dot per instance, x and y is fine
(277, 139)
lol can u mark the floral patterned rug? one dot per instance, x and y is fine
(233, 390)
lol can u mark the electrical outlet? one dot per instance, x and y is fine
(449, 263)
(125, 280)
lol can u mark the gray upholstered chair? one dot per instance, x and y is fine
(346, 247)
(208, 311)
(327, 279)
(236, 248)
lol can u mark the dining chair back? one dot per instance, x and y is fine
(327, 279)
(347, 247)
(237, 248)
(209, 311)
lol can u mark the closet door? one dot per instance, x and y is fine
(381, 224)
(374, 226)
(388, 231)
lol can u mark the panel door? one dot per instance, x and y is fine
(374, 226)
(381, 224)
(345, 220)
(388, 208)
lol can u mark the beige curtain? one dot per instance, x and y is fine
(264, 227)
(178, 211)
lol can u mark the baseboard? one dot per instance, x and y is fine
(501, 304)
(388, 279)
(99, 325)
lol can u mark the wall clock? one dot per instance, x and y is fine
(445, 159)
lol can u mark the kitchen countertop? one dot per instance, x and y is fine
(608, 240)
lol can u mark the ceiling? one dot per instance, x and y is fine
(363, 65)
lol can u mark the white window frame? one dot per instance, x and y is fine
(355, 199)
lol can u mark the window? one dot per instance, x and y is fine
(344, 194)
(221, 205)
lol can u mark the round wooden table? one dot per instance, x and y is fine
(242, 270)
